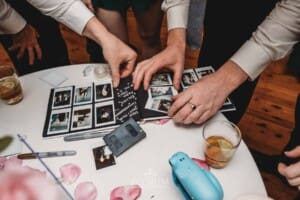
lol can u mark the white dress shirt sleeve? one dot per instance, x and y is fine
(72, 13)
(10, 21)
(177, 13)
(273, 39)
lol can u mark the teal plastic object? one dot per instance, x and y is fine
(194, 182)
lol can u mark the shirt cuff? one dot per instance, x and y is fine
(76, 17)
(13, 24)
(177, 16)
(252, 59)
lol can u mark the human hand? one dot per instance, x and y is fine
(26, 39)
(204, 98)
(291, 172)
(89, 5)
(172, 58)
(120, 58)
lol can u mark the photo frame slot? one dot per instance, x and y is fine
(83, 94)
(82, 117)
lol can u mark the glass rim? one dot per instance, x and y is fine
(228, 123)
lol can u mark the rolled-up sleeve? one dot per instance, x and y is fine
(273, 39)
(72, 13)
(10, 21)
(177, 13)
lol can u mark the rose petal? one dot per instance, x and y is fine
(130, 192)
(9, 162)
(201, 163)
(85, 191)
(69, 173)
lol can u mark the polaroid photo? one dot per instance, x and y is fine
(82, 117)
(203, 71)
(62, 97)
(104, 113)
(83, 94)
(103, 91)
(161, 105)
(161, 79)
(103, 157)
(160, 92)
(59, 121)
(188, 78)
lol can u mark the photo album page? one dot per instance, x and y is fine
(99, 106)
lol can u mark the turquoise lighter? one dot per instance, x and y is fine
(194, 182)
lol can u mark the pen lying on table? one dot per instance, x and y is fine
(46, 154)
(83, 136)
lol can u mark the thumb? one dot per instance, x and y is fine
(177, 79)
(293, 153)
(115, 73)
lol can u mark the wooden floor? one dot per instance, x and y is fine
(267, 124)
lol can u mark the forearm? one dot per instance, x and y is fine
(230, 76)
(96, 31)
(72, 13)
(176, 37)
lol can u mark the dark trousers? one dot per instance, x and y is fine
(53, 47)
(227, 25)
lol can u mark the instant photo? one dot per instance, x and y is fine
(203, 71)
(103, 157)
(104, 114)
(82, 117)
(188, 78)
(161, 105)
(62, 97)
(103, 91)
(158, 92)
(59, 121)
(161, 79)
(83, 94)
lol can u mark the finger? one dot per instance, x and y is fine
(177, 79)
(292, 171)
(115, 74)
(21, 52)
(182, 114)
(14, 47)
(30, 55)
(127, 68)
(194, 116)
(150, 70)
(294, 181)
(138, 75)
(38, 51)
(180, 101)
(203, 118)
(293, 153)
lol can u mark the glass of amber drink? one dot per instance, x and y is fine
(10, 86)
(222, 138)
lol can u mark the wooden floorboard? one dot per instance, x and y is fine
(269, 119)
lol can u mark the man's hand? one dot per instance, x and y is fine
(172, 58)
(204, 98)
(26, 39)
(120, 57)
(291, 172)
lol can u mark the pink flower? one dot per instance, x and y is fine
(69, 173)
(25, 183)
(130, 192)
(85, 191)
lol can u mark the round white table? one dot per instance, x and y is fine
(145, 164)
